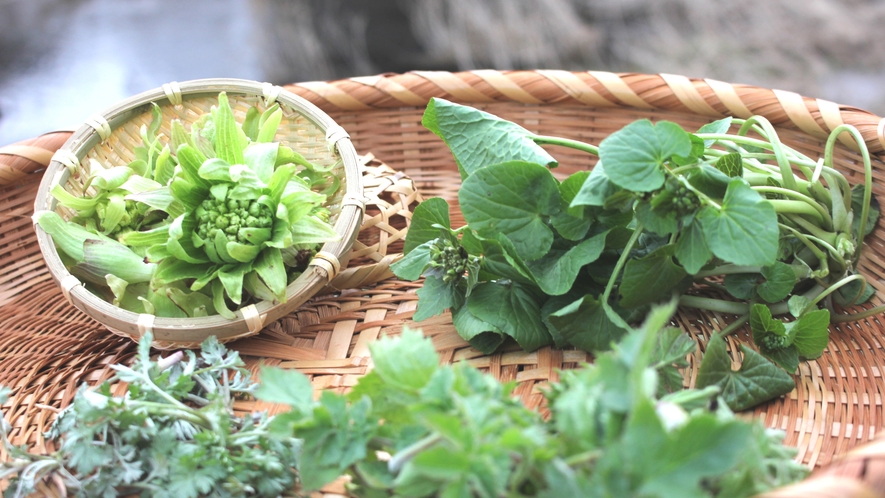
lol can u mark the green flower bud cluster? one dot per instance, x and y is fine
(131, 220)
(230, 216)
(684, 200)
(451, 261)
(771, 342)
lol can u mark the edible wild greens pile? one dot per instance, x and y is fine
(663, 211)
(409, 428)
(200, 223)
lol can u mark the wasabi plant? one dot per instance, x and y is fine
(664, 210)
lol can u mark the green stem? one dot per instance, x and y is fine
(396, 463)
(860, 315)
(816, 231)
(734, 326)
(756, 179)
(625, 255)
(565, 142)
(713, 285)
(711, 304)
(825, 243)
(795, 207)
(789, 180)
(833, 288)
(868, 176)
(820, 255)
(587, 456)
(728, 270)
(798, 196)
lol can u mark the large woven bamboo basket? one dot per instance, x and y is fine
(110, 139)
(48, 348)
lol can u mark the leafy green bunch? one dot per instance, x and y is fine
(219, 215)
(574, 261)
(413, 428)
(174, 434)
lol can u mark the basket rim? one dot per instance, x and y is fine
(98, 128)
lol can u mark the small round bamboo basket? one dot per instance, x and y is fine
(110, 140)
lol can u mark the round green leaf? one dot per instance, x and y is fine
(513, 199)
(633, 156)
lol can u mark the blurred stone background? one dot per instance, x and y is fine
(62, 60)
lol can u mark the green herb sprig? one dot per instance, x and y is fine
(574, 262)
(174, 434)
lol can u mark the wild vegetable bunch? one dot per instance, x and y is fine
(174, 434)
(219, 215)
(414, 428)
(573, 262)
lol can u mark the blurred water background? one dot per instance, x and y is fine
(63, 60)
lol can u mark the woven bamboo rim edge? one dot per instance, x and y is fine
(707, 97)
(173, 333)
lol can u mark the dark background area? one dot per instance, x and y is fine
(62, 60)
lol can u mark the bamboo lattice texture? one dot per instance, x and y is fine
(47, 348)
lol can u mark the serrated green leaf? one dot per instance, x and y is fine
(673, 465)
(413, 264)
(661, 224)
(480, 334)
(745, 230)
(585, 325)
(286, 386)
(718, 127)
(406, 363)
(758, 380)
(635, 154)
(570, 222)
(434, 297)
(672, 346)
(650, 279)
(596, 189)
(731, 164)
(811, 333)
(513, 309)
(269, 266)
(499, 257)
(741, 285)
(433, 211)
(557, 270)
(798, 304)
(512, 199)
(691, 249)
(709, 180)
(779, 281)
(762, 323)
(786, 358)
(697, 151)
(260, 158)
(477, 138)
